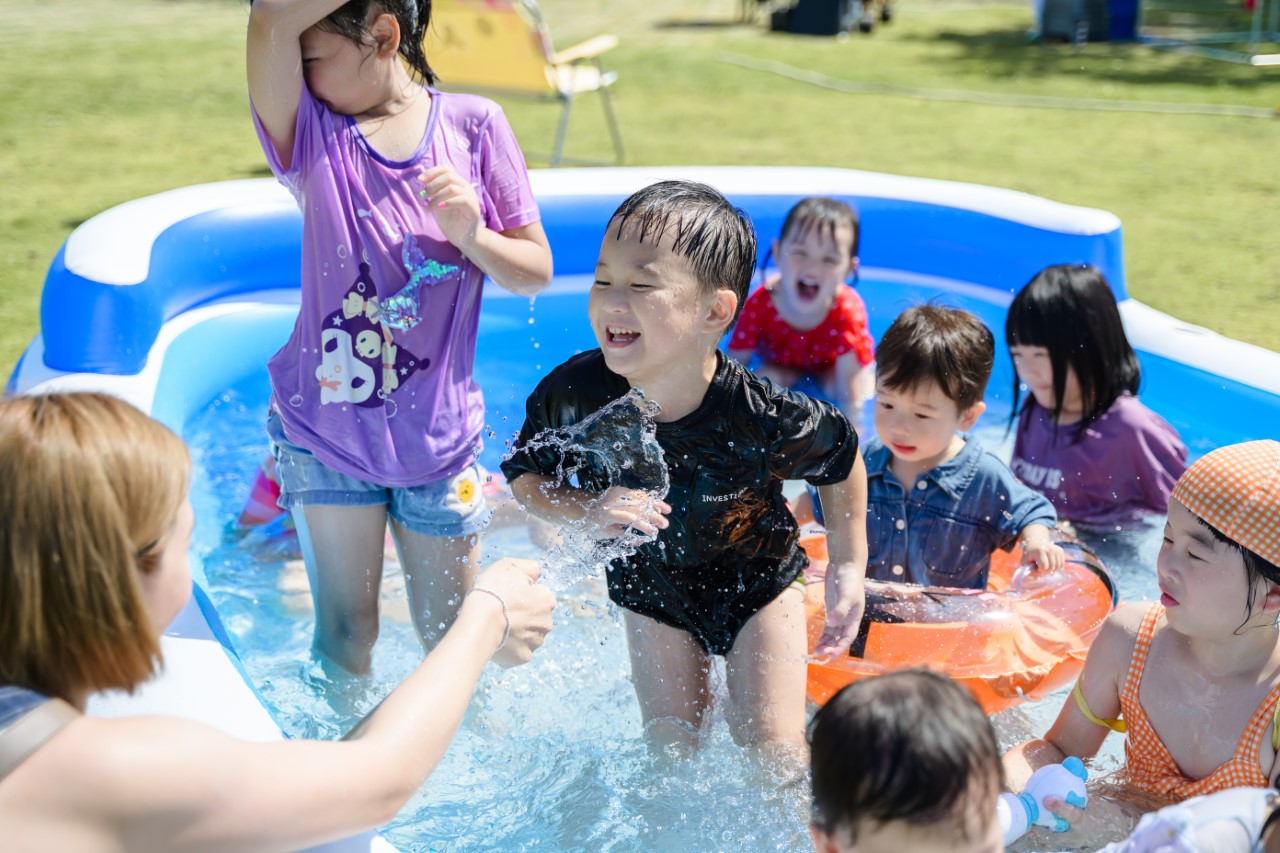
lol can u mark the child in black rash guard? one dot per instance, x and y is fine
(719, 576)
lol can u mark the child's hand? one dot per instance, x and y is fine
(845, 600)
(1045, 554)
(618, 509)
(454, 204)
(1058, 789)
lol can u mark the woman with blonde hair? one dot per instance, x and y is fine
(95, 527)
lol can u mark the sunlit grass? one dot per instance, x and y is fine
(108, 100)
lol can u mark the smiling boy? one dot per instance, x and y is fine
(939, 504)
(719, 573)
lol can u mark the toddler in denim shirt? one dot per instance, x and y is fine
(938, 504)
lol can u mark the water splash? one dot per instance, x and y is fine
(615, 446)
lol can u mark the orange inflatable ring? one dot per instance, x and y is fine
(1004, 645)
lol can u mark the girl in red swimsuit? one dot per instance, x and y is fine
(807, 320)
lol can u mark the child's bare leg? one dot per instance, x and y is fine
(850, 385)
(669, 671)
(766, 673)
(342, 547)
(438, 571)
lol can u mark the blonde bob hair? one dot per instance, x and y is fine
(90, 488)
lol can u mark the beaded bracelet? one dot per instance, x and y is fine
(506, 614)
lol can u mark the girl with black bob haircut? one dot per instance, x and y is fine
(1082, 438)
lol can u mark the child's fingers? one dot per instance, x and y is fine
(832, 644)
(435, 190)
(836, 637)
(435, 183)
(435, 172)
(1066, 814)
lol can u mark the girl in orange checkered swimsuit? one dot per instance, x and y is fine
(1194, 680)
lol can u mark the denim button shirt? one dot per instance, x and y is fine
(942, 530)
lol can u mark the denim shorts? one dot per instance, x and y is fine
(451, 507)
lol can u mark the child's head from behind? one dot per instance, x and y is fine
(1068, 344)
(337, 49)
(1219, 563)
(932, 367)
(904, 761)
(816, 253)
(674, 269)
(95, 530)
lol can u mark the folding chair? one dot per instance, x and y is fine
(503, 47)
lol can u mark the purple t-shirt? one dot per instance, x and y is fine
(376, 379)
(1124, 465)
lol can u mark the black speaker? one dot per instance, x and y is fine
(822, 17)
(780, 20)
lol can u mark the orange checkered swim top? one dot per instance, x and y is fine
(1148, 764)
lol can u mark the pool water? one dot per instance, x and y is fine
(551, 755)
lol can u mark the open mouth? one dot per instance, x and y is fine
(807, 291)
(903, 449)
(620, 336)
(1167, 600)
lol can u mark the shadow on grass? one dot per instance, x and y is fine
(1006, 53)
(670, 24)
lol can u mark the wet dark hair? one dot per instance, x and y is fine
(1257, 569)
(912, 745)
(934, 343)
(825, 214)
(716, 238)
(351, 20)
(1069, 310)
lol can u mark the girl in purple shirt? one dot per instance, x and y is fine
(409, 198)
(1083, 439)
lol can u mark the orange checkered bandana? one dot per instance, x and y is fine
(1236, 489)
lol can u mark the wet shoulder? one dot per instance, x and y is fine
(582, 384)
(474, 110)
(1129, 414)
(1119, 634)
(740, 392)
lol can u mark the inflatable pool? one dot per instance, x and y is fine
(172, 300)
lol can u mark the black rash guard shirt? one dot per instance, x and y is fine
(732, 545)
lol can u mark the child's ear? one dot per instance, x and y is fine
(1272, 599)
(723, 307)
(822, 842)
(970, 415)
(853, 267)
(385, 32)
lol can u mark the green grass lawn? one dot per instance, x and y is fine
(107, 100)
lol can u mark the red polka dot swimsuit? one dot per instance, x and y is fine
(843, 330)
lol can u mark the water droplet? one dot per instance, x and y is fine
(296, 400)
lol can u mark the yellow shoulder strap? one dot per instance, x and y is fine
(1119, 725)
